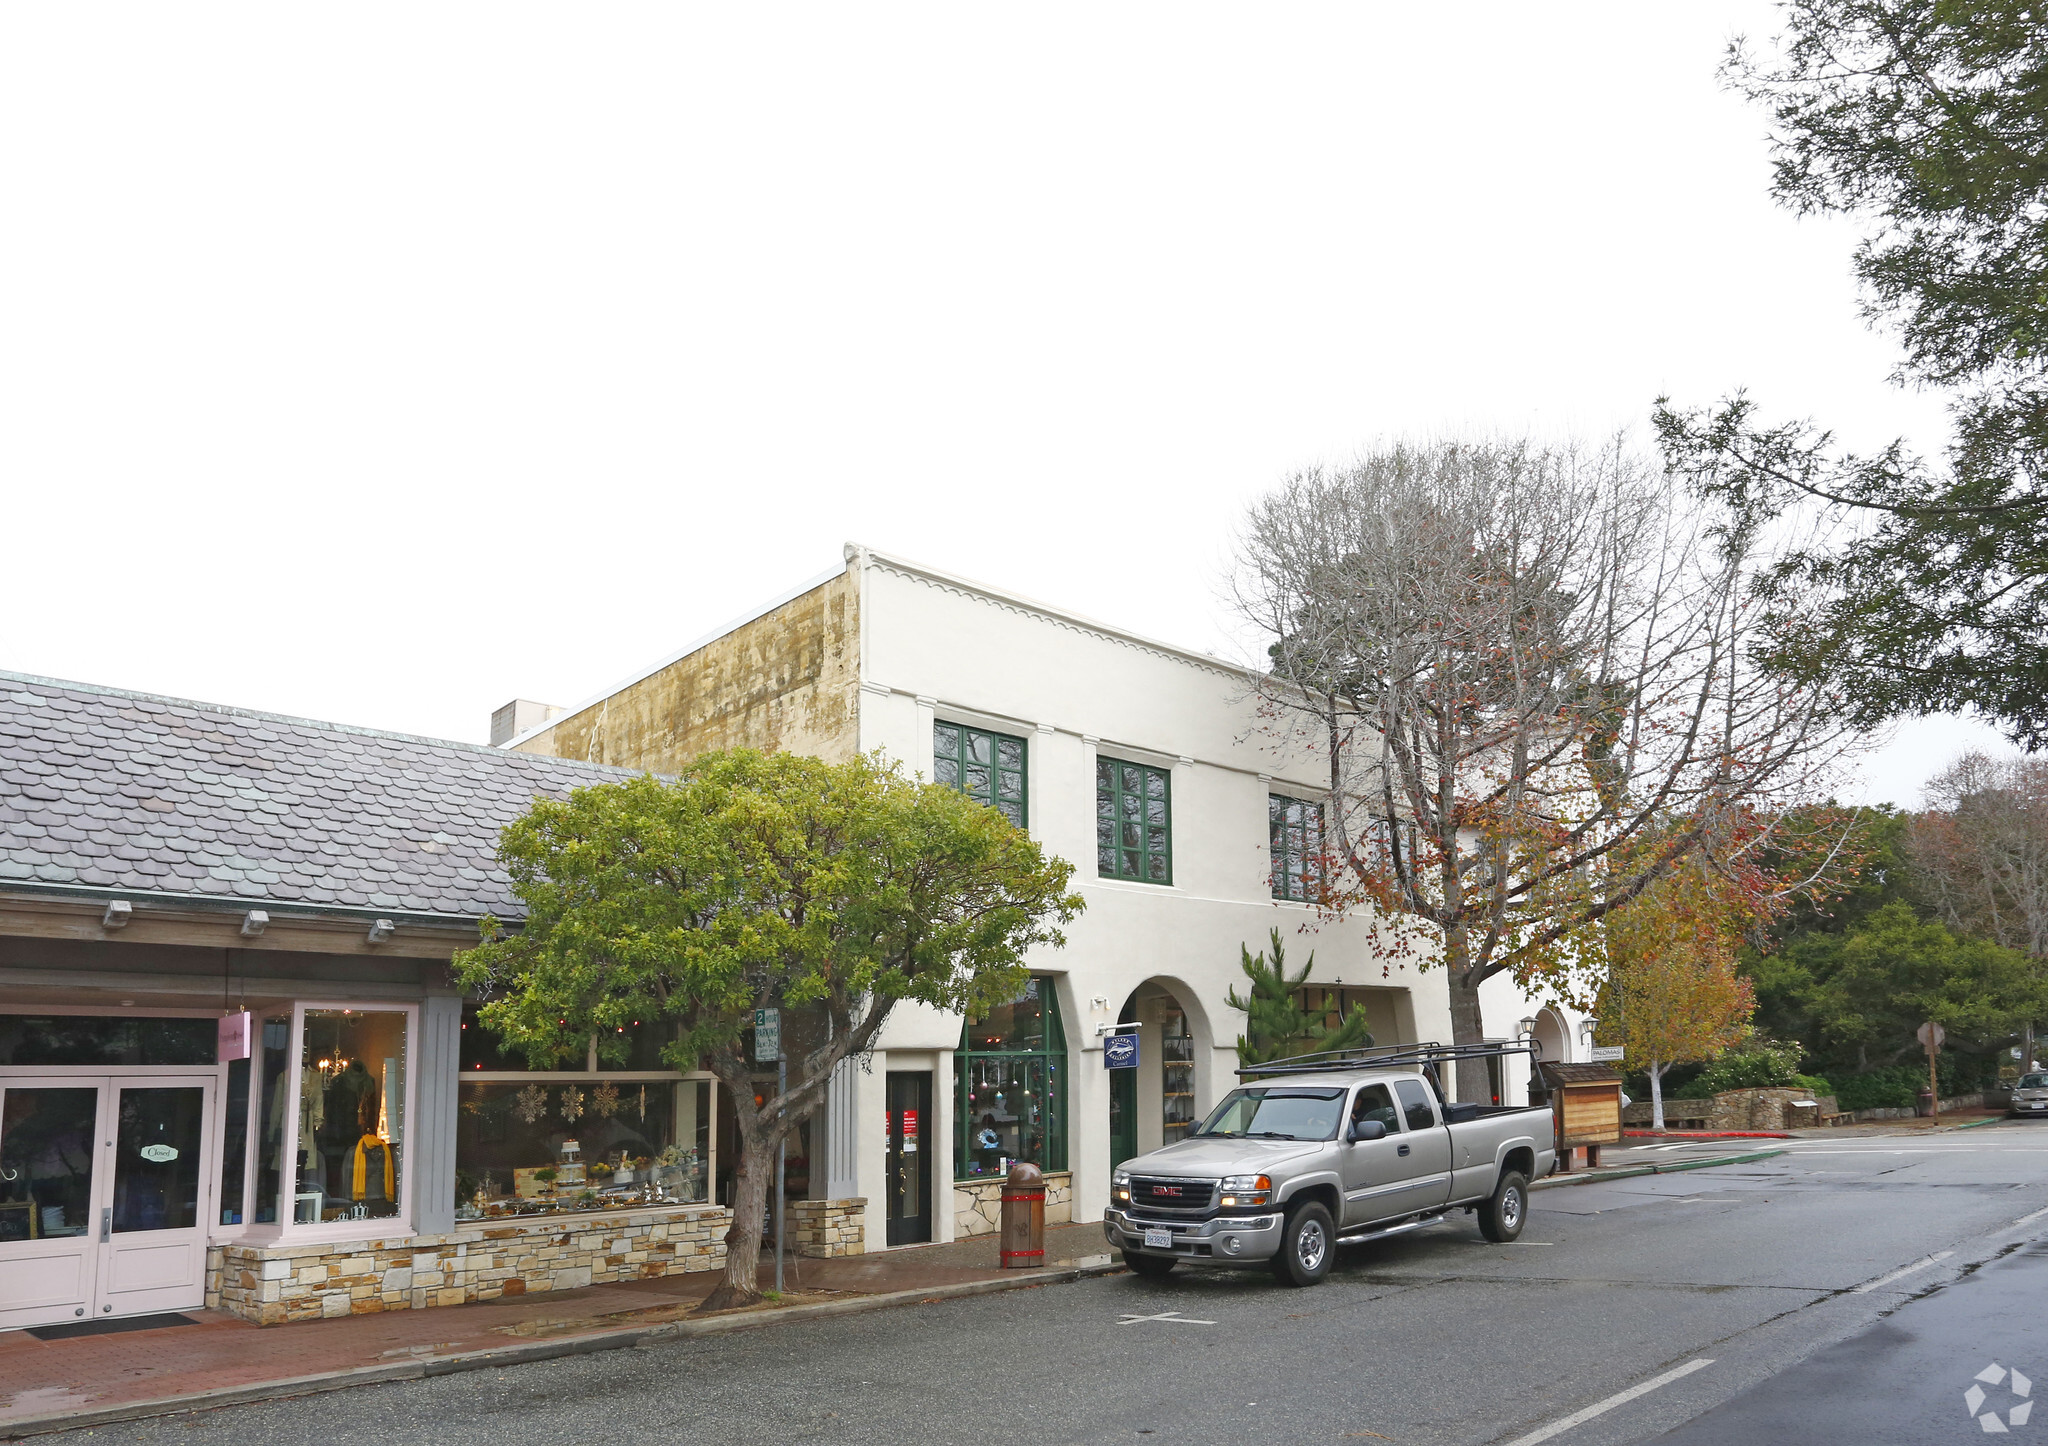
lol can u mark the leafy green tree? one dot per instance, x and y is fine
(753, 881)
(1275, 1024)
(1930, 119)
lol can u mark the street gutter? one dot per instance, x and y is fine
(485, 1360)
(1595, 1177)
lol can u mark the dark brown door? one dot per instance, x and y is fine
(910, 1156)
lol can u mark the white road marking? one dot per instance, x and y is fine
(1598, 1408)
(1171, 1317)
(1902, 1272)
(2030, 1219)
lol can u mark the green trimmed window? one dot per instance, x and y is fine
(1133, 822)
(1010, 1087)
(1296, 831)
(988, 767)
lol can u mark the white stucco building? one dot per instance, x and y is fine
(1142, 763)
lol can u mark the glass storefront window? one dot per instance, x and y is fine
(47, 1149)
(351, 1115)
(234, 1143)
(274, 1058)
(1009, 1079)
(105, 1039)
(548, 1145)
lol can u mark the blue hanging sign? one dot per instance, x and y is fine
(1120, 1051)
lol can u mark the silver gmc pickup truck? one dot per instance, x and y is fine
(1295, 1162)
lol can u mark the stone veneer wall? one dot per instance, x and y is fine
(483, 1260)
(825, 1228)
(978, 1204)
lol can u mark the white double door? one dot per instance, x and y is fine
(107, 1184)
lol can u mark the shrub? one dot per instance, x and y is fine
(1760, 1064)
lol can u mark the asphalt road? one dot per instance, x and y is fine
(1810, 1283)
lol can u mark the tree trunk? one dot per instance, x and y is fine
(1657, 1095)
(1475, 1085)
(752, 1179)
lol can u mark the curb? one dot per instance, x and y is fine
(1557, 1181)
(484, 1360)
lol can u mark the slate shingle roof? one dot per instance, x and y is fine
(104, 789)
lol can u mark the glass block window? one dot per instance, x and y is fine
(1296, 831)
(988, 767)
(1133, 822)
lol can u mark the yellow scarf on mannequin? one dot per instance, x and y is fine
(360, 1183)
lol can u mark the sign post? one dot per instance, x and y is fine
(1930, 1036)
(767, 1046)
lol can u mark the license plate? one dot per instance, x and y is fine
(1159, 1239)
(2038, 1106)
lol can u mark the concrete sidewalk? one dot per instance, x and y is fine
(84, 1380)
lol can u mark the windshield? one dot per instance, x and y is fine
(1277, 1114)
(2034, 1082)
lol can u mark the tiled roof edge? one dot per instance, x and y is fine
(230, 904)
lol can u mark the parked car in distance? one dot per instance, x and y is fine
(1321, 1153)
(2029, 1096)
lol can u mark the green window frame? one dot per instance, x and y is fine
(1295, 827)
(990, 768)
(1010, 1086)
(1133, 821)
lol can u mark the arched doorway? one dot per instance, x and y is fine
(1552, 1036)
(1156, 1102)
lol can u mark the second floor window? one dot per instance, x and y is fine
(1296, 829)
(1133, 822)
(987, 767)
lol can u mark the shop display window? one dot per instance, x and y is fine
(616, 1127)
(350, 1097)
(105, 1039)
(1009, 1078)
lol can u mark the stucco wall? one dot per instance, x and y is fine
(786, 681)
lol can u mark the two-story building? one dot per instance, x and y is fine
(1146, 765)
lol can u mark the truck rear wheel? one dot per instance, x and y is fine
(1308, 1241)
(1152, 1267)
(1501, 1217)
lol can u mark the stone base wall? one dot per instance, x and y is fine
(978, 1204)
(483, 1260)
(1766, 1109)
(826, 1228)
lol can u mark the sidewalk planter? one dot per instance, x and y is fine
(271, 1284)
(823, 1229)
(978, 1204)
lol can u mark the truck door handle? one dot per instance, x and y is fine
(1402, 1151)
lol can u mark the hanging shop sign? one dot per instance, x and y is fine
(234, 1036)
(1120, 1051)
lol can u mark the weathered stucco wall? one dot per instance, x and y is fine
(787, 681)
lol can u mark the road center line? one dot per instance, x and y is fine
(1901, 1272)
(1602, 1407)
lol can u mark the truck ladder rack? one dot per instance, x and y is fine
(1427, 1056)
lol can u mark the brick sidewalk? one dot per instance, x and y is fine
(90, 1374)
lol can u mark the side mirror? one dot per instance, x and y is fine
(1367, 1130)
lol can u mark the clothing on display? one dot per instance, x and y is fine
(359, 1169)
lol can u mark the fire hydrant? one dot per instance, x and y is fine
(1023, 1218)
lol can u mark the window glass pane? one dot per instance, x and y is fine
(234, 1144)
(271, 1135)
(590, 1144)
(987, 767)
(1009, 1080)
(157, 1158)
(1010, 752)
(1415, 1104)
(639, 1043)
(946, 740)
(47, 1149)
(980, 748)
(1373, 1103)
(351, 1121)
(1019, 1025)
(1138, 795)
(105, 1039)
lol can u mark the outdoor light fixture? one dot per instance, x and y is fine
(117, 914)
(1525, 1028)
(254, 923)
(381, 930)
(1586, 1028)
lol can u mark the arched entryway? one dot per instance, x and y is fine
(1552, 1036)
(1161, 1098)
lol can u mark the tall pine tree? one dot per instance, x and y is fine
(1275, 1024)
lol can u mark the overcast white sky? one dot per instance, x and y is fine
(384, 363)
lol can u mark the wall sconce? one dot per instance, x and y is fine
(381, 930)
(117, 915)
(254, 923)
(1525, 1028)
(1586, 1028)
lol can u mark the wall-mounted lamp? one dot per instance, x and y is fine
(117, 915)
(254, 923)
(1586, 1028)
(381, 930)
(1525, 1028)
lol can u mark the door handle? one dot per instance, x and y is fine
(106, 1225)
(1402, 1151)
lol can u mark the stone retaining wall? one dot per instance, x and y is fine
(978, 1204)
(483, 1260)
(825, 1228)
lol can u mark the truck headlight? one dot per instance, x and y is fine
(1247, 1190)
(1120, 1184)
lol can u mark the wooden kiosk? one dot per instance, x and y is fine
(1585, 1100)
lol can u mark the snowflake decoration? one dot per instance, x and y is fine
(604, 1100)
(572, 1103)
(532, 1104)
(643, 1102)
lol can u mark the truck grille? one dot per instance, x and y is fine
(1166, 1195)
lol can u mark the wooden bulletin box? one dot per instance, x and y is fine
(1586, 1098)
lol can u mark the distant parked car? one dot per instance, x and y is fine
(2029, 1096)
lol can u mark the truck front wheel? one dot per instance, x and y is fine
(1501, 1217)
(1307, 1242)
